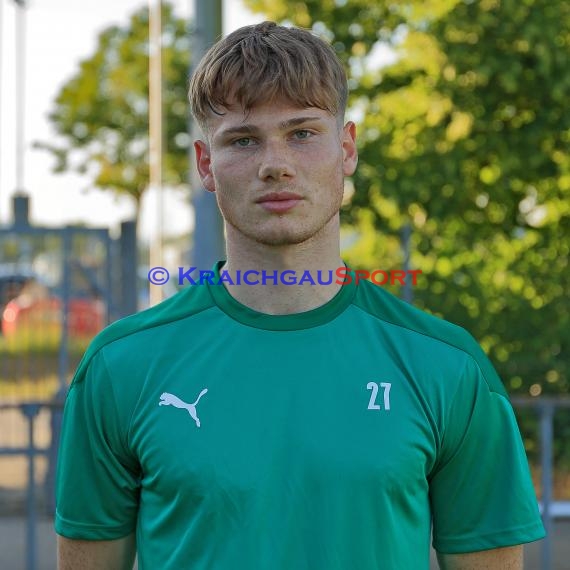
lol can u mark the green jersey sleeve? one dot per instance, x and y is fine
(98, 477)
(480, 488)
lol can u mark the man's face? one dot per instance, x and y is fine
(278, 172)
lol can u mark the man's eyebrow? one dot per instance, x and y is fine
(297, 121)
(239, 129)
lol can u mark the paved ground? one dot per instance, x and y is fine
(13, 553)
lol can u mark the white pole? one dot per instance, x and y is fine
(155, 138)
(1, 68)
(20, 93)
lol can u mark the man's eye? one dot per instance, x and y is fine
(244, 141)
(303, 134)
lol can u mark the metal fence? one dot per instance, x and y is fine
(58, 287)
(30, 411)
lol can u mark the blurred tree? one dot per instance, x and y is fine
(101, 113)
(465, 135)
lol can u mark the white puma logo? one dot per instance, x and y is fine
(167, 399)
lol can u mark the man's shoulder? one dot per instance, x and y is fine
(127, 331)
(386, 307)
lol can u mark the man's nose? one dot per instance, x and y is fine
(275, 162)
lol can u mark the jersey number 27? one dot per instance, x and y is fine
(372, 405)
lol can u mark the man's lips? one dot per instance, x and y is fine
(279, 202)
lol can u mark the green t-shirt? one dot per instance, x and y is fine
(331, 439)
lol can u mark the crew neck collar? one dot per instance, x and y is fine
(295, 321)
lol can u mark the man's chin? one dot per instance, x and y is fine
(282, 240)
(282, 237)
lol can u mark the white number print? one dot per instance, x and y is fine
(372, 405)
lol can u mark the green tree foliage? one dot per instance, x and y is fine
(101, 113)
(466, 138)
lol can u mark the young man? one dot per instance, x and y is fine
(286, 427)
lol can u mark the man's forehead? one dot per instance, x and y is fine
(278, 113)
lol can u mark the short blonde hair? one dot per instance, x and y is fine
(258, 63)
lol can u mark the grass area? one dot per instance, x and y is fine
(35, 340)
(33, 366)
(29, 390)
(29, 362)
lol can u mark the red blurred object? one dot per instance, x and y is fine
(86, 317)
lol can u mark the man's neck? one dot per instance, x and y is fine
(318, 260)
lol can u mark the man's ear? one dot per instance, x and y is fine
(349, 152)
(204, 164)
